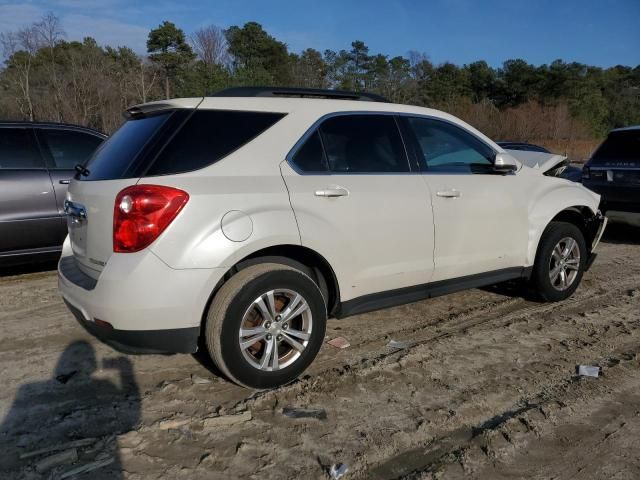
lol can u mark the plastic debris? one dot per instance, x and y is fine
(197, 380)
(47, 463)
(339, 342)
(173, 424)
(293, 412)
(396, 345)
(226, 420)
(88, 467)
(84, 442)
(338, 470)
(588, 371)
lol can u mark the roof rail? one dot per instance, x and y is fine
(298, 92)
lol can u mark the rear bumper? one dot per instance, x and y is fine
(150, 306)
(174, 340)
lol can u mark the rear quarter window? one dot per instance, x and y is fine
(117, 157)
(208, 136)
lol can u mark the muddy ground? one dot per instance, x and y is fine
(487, 390)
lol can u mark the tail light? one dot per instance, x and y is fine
(141, 214)
(586, 174)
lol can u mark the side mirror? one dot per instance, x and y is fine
(505, 163)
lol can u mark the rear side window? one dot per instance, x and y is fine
(363, 144)
(67, 148)
(208, 136)
(116, 157)
(619, 147)
(18, 149)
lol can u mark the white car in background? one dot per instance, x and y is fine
(240, 222)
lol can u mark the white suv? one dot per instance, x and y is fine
(239, 222)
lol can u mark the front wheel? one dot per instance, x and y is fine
(560, 262)
(266, 325)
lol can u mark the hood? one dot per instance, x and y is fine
(547, 163)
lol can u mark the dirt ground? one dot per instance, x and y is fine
(487, 389)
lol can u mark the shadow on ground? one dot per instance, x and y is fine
(621, 234)
(34, 267)
(75, 405)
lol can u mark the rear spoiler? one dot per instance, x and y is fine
(144, 109)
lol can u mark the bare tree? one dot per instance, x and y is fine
(20, 48)
(50, 33)
(210, 45)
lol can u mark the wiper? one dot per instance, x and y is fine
(82, 170)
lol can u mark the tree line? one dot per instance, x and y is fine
(48, 77)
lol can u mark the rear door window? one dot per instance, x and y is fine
(18, 150)
(67, 148)
(310, 156)
(208, 136)
(363, 144)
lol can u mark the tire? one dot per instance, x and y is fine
(234, 307)
(547, 279)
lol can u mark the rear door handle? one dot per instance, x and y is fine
(332, 192)
(449, 194)
(65, 182)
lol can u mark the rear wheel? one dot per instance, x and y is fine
(266, 325)
(560, 262)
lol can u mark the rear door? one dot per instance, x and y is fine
(63, 149)
(358, 204)
(480, 217)
(28, 214)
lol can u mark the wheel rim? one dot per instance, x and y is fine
(564, 264)
(275, 329)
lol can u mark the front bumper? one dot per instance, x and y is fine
(600, 223)
(149, 306)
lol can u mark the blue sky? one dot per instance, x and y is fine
(597, 32)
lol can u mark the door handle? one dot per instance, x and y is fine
(449, 194)
(65, 182)
(332, 192)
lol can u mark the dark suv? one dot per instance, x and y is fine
(37, 161)
(614, 172)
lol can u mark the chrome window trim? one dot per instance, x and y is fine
(316, 125)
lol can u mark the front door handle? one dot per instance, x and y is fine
(449, 194)
(332, 192)
(65, 182)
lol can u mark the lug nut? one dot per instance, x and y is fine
(278, 318)
(267, 325)
(285, 326)
(279, 337)
(269, 336)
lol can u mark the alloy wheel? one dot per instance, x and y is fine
(564, 263)
(275, 329)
